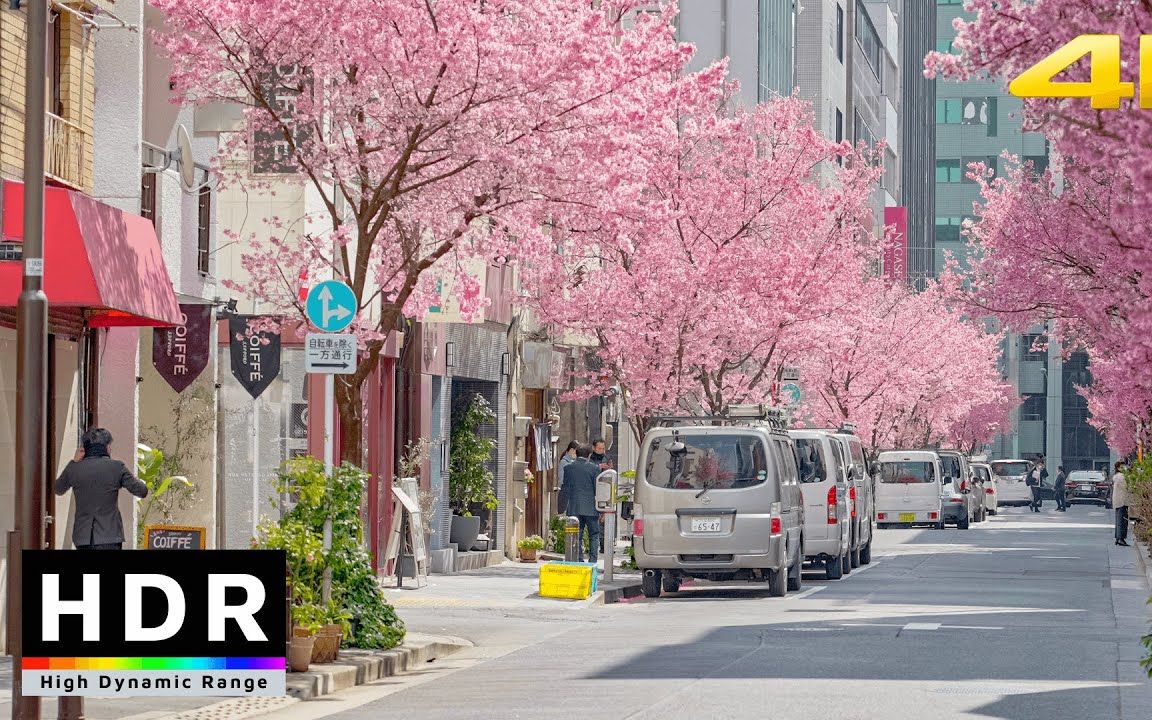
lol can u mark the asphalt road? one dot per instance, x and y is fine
(1023, 617)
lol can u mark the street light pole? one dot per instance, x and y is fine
(31, 350)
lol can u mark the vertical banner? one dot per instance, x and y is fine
(180, 354)
(896, 244)
(255, 358)
(283, 86)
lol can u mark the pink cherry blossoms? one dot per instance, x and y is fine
(1071, 246)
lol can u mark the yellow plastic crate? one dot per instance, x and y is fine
(569, 581)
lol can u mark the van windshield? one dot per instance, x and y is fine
(1009, 469)
(907, 472)
(810, 454)
(707, 462)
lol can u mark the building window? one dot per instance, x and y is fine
(1039, 163)
(203, 229)
(12, 251)
(55, 66)
(948, 229)
(948, 171)
(862, 132)
(840, 33)
(148, 197)
(839, 125)
(948, 111)
(944, 45)
(869, 40)
(1027, 349)
(949, 2)
(989, 160)
(980, 111)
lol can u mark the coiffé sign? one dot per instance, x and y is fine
(137, 623)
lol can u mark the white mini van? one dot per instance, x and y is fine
(824, 483)
(909, 484)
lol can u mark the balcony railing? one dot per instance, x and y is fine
(65, 151)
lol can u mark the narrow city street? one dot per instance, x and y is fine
(1022, 617)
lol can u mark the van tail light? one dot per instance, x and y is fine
(777, 528)
(933, 515)
(832, 505)
(881, 516)
(989, 491)
(638, 527)
(852, 497)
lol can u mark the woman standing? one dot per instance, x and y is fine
(1120, 503)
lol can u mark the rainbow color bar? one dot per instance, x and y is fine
(155, 663)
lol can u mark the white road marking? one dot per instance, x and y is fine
(1056, 557)
(922, 626)
(809, 591)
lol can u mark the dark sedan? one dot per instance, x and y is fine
(1089, 486)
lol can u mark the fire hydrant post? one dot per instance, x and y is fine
(571, 538)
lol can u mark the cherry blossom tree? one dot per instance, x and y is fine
(1070, 247)
(431, 132)
(908, 371)
(748, 233)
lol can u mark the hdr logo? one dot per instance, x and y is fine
(138, 623)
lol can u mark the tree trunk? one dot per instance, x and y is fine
(350, 406)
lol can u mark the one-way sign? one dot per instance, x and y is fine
(327, 354)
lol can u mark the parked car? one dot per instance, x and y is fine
(909, 484)
(958, 474)
(719, 501)
(824, 483)
(1089, 486)
(861, 495)
(984, 477)
(1010, 486)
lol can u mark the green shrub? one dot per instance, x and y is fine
(356, 593)
(469, 479)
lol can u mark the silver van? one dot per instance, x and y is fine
(825, 489)
(719, 499)
(861, 497)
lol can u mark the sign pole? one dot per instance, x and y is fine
(32, 350)
(329, 454)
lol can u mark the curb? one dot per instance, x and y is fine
(359, 667)
(1146, 564)
(619, 591)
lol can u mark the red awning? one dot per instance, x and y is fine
(96, 257)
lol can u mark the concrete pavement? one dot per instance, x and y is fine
(1025, 617)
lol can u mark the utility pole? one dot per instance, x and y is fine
(31, 349)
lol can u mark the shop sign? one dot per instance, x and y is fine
(255, 356)
(180, 354)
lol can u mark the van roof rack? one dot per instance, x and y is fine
(737, 415)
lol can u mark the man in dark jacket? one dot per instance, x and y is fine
(580, 490)
(95, 480)
(1059, 489)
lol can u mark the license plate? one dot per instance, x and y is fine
(706, 525)
(1086, 491)
(907, 517)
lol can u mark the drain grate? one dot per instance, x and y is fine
(982, 690)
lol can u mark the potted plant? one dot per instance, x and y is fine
(469, 479)
(335, 624)
(529, 546)
(305, 625)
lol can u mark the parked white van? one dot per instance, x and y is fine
(909, 484)
(827, 515)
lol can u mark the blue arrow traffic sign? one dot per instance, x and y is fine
(331, 306)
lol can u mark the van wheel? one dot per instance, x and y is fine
(846, 562)
(854, 558)
(866, 553)
(833, 570)
(650, 583)
(940, 525)
(778, 582)
(796, 574)
(992, 512)
(963, 524)
(670, 584)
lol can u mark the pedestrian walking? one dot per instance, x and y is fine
(95, 480)
(1035, 480)
(1061, 496)
(566, 459)
(580, 490)
(1120, 503)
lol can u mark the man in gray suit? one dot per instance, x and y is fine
(580, 489)
(95, 480)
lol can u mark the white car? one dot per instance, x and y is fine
(983, 473)
(1010, 486)
(909, 488)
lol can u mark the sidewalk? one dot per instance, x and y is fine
(508, 585)
(1131, 585)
